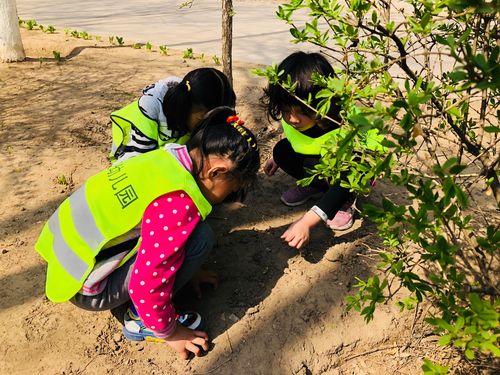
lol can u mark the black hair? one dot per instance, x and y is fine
(215, 136)
(200, 90)
(299, 66)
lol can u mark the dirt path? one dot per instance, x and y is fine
(275, 312)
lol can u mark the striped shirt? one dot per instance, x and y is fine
(151, 106)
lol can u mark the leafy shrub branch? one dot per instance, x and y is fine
(426, 75)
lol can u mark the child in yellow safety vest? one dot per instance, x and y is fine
(92, 246)
(300, 150)
(168, 111)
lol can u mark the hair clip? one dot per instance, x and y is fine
(188, 86)
(236, 123)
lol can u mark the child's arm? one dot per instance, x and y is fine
(151, 101)
(167, 223)
(297, 234)
(331, 202)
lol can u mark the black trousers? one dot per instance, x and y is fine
(296, 165)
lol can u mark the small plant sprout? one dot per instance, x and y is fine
(216, 59)
(61, 180)
(84, 35)
(40, 60)
(57, 55)
(186, 4)
(67, 31)
(98, 38)
(202, 57)
(163, 50)
(119, 39)
(30, 24)
(41, 27)
(149, 46)
(75, 34)
(188, 54)
(111, 40)
(50, 29)
(137, 45)
(21, 22)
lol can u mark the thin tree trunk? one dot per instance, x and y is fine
(11, 45)
(227, 39)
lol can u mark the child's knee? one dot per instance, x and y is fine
(282, 152)
(201, 241)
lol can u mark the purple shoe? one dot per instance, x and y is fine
(344, 219)
(297, 195)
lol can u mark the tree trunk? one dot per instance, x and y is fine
(11, 45)
(227, 39)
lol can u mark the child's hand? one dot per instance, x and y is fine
(297, 234)
(185, 341)
(204, 277)
(270, 167)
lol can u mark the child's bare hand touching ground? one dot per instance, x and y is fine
(297, 234)
(185, 341)
(270, 167)
(204, 277)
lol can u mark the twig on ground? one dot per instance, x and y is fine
(369, 352)
(89, 362)
(229, 341)
(216, 367)
(415, 317)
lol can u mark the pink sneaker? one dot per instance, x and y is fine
(343, 219)
(297, 195)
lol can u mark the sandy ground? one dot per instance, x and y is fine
(275, 312)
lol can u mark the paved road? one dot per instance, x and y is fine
(258, 35)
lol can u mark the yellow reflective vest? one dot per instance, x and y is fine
(108, 205)
(306, 145)
(121, 125)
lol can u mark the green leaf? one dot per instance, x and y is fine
(449, 163)
(481, 62)
(444, 340)
(476, 302)
(491, 129)
(462, 198)
(469, 354)
(456, 169)
(431, 368)
(488, 346)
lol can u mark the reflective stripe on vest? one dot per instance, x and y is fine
(66, 257)
(85, 224)
(121, 125)
(306, 145)
(109, 205)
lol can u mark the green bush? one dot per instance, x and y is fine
(426, 75)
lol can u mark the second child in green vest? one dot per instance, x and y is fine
(301, 149)
(96, 259)
(168, 111)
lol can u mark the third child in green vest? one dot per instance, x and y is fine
(91, 244)
(302, 147)
(168, 111)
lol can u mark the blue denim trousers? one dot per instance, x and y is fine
(198, 246)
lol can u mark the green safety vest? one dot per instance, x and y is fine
(121, 125)
(305, 145)
(108, 205)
